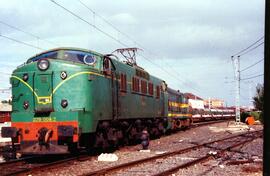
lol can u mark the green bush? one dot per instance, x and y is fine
(243, 116)
(256, 114)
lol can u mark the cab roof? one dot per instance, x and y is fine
(66, 48)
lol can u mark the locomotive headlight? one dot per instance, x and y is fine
(43, 64)
(25, 77)
(25, 104)
(64, 103)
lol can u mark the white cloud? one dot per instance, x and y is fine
(195, 37)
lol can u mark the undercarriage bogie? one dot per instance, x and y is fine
(125, 132)
(63, 139)
(181, 123)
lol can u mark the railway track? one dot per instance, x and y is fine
(25, 166)
(231, 142)
(13, 166)
(31, 164)
(197, 124)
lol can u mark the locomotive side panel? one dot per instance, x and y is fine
(135, 100)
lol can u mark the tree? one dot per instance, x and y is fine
(258, 98)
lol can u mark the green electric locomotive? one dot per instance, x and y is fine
(69, 98)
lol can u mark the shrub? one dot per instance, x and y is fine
(258, 115)
(255, 114)
(243, 116)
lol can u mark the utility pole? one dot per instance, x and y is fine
(249, 94)
(236, 63)
(238, 92)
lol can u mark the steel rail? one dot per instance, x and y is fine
(137, 162)
(13, 161)
(197, 124)
(201, 159)
(31, 168)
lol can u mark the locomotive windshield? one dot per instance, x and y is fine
(52, 55)
(68, 55)
(78, 56)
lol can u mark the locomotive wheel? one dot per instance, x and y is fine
(101, 141)
(132, 135)
(120, 137)
(157, 129)
(126, 140)
(161, 128)
(125, 133)
(112, 137)
(155, 132)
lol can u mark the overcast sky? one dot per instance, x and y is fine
(193, 40)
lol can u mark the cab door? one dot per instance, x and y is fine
(110, 72)
(43, 86)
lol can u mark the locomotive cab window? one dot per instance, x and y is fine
(51, 55)
(68, 55)
(80, 57)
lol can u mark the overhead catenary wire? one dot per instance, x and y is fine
(236, 67)
(21, 42)
(90, 24)
(169, 73)
(114, 27)
(243, 50)
(252, 74)
(252, 77)
(110, 36)
(118, 30)
(130, 38)
(106, 21)
(251, 49)
(252, 65)
(28, 33)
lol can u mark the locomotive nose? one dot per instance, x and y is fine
(44, 135)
